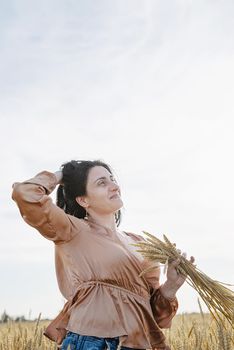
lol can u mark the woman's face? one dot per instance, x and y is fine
(103, 193)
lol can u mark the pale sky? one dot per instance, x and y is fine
(146, 86)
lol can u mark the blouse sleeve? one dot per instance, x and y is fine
(38, 210)
(163, 309)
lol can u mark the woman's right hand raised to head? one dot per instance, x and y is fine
(59, 176)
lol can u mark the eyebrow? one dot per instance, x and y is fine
(104, 178)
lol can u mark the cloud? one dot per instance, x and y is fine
(146, 86)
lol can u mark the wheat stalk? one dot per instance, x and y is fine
(218, 298)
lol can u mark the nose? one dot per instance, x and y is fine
(115, 187)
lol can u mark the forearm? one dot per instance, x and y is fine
(169, 289)
(59, 176)
(174, 280)
(37, 208)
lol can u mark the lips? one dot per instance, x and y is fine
(115, 196)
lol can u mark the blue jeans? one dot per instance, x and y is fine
(86, 342)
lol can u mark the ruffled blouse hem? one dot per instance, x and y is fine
(72, 317)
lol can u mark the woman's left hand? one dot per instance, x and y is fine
(174, 279)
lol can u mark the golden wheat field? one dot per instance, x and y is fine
(188, 332)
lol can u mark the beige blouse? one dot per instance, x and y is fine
(97, 273)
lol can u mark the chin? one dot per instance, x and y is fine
(117, 207)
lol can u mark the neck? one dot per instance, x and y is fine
(107, 221)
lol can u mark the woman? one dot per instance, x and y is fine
(108, 304)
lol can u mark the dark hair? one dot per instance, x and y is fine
(75, 174)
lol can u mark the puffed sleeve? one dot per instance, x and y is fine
(38, 210)
(163, 309)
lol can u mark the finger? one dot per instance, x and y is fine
(178, 251)
(192, 259)
(175, 263)
(184, 255)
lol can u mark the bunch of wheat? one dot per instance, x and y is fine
(217, 297)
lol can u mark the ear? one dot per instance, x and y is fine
(82, 201)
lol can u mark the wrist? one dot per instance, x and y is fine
(59, 175)
(168, 290)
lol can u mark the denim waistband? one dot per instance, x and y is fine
(74, 341)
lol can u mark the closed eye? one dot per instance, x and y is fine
(101, 182)
(104, 179)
